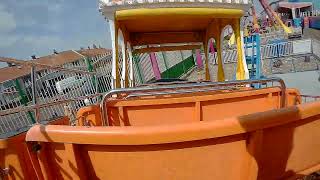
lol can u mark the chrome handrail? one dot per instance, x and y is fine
(181, 85)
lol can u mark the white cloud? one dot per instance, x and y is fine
(25, 31)
(55, 7)
(27, 21)
(43, 41)
(7, 40)
(7, 21)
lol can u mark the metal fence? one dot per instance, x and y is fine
(274, 50)
(45, 84)
(308, 98)
(67, 88)
(146, 3)
(310, 13)
(272, 35)
(71, 87)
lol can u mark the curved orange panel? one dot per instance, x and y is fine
(275, 144)
(174, 133)
(14, 156)
(89, 116)
(184, 108)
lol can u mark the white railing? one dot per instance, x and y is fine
(275, 50)
(310, 13)
(315, 46)
(136, 2)
(273, 35)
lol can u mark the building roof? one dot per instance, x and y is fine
(8, 73)
(296, 5)
(94, 52)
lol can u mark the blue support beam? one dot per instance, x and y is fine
(253, 56)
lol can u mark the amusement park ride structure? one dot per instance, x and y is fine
(292, 32)
(244, 129)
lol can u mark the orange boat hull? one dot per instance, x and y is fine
(226, 135)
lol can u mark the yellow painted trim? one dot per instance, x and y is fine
(125, 40)
(126, 77)
(3, 144)
(165, 37)
(240, 74)
(214, 31)
(133, 14)
(206, 60)
(221, 76)
(116, 34)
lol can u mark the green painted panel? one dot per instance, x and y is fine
(179, 69)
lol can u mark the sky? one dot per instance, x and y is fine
(36, 27)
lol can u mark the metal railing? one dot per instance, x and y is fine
(137, 2)
(186, 87)
(39, 87)
(310, 13)
(308, 98)
(24, 100)
(274, 50)
(49, 92)
(270, 36)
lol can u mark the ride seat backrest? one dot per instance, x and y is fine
(195, 107)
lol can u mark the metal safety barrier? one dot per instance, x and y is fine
(310, 13)
(185, 87)
(276, 50)
(44, 84)
(309, 98)
(146, 2)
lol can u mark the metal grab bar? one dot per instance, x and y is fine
(178, 92)
(188, 85)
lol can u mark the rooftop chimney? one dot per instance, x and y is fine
(34, 57)
(11, 64)
(55, 51)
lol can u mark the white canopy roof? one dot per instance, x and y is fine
(108, 7)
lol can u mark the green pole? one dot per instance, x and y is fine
(23, 99)
(90, 69)
(136, 61)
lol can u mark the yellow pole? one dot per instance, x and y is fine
(220, 61)
(206, 60)
(126, 77)
(240, 74)
(116, 34)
